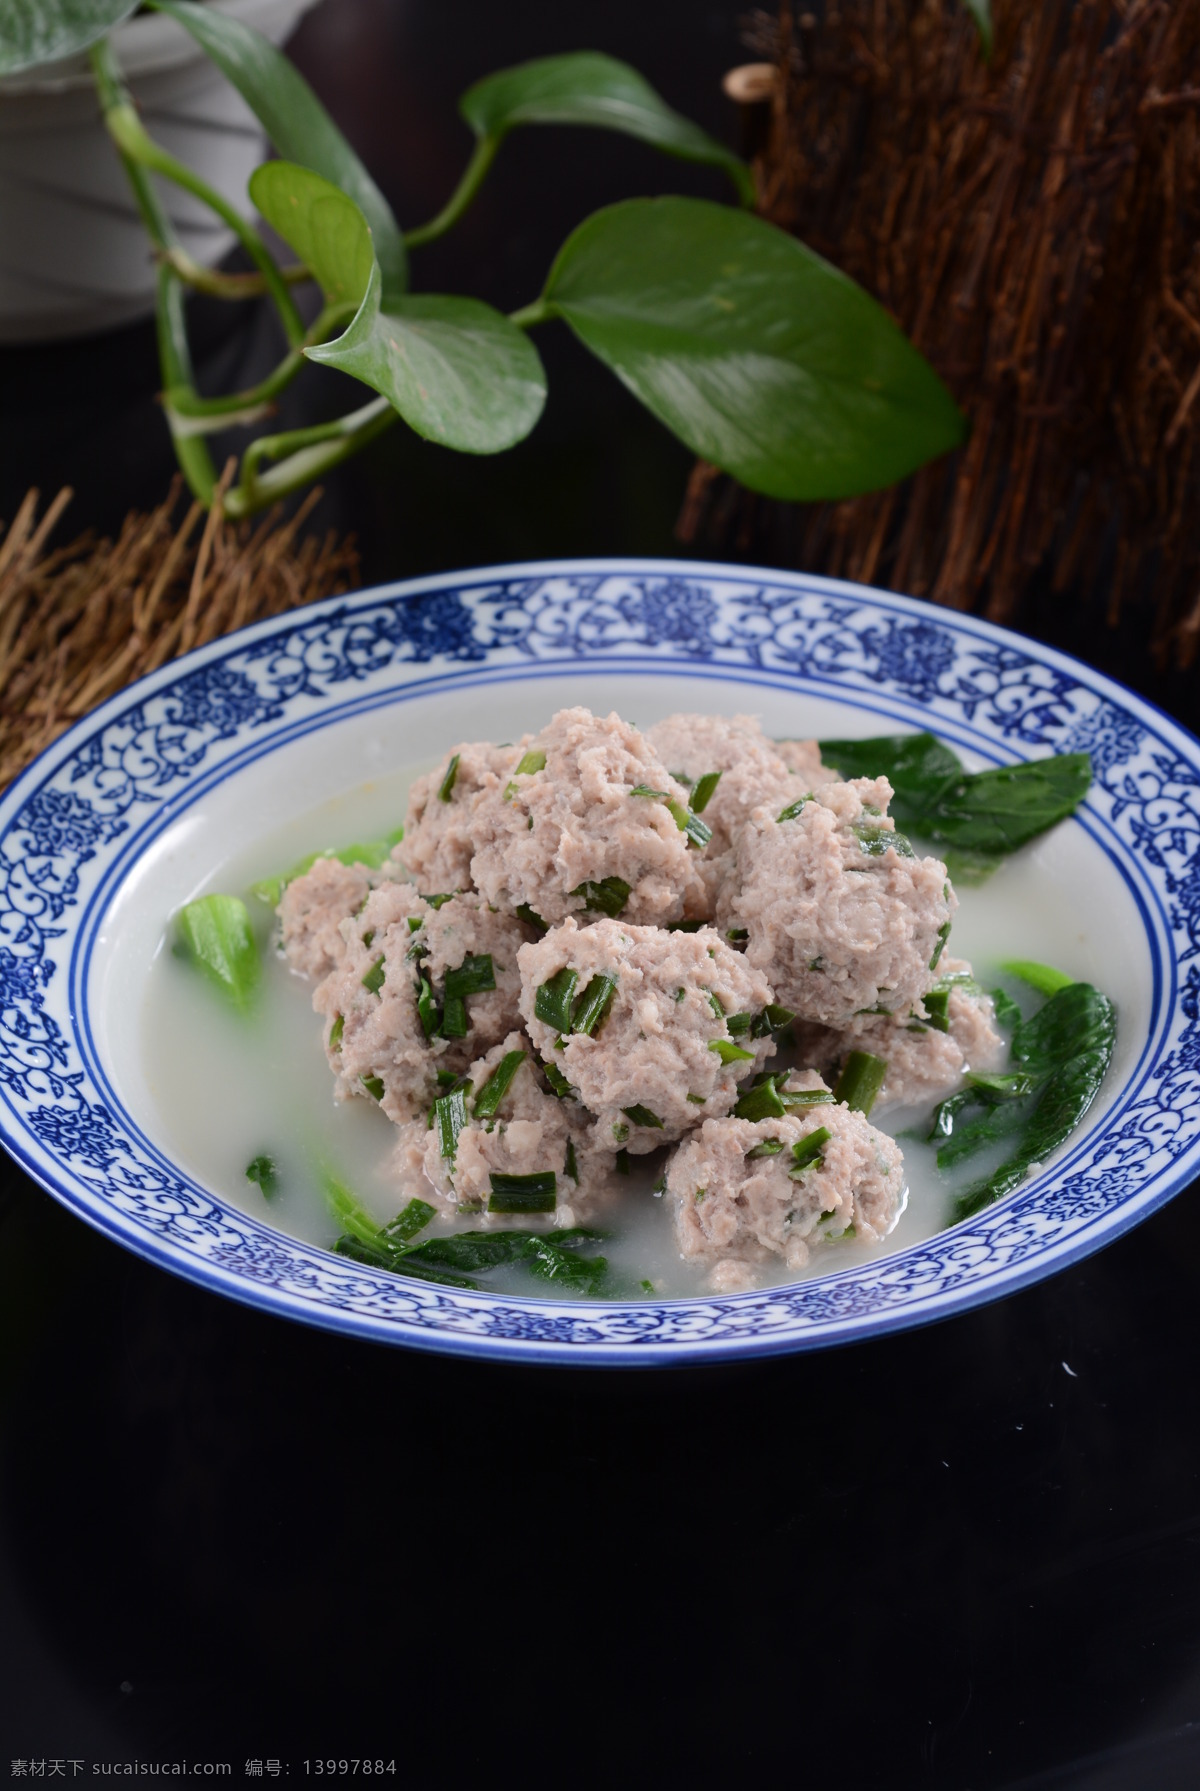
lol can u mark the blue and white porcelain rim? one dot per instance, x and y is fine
(1046, 1225)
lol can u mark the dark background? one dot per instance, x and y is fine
(966, 1556)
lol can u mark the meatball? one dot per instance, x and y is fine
(745, 1191)
(803, 758)
(835, 904)
(652, 1029)
(751, 771)
(928, 1051)
(421, 989)
(313, 908)
(438, 841)
(528, 1130)
(586, 827)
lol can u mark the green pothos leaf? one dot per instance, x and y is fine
(758, 355)
(37, 31)
(295, 121)
(588, 88)
(458, 372)
(325, 228)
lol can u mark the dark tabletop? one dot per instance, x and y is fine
(966, 1555)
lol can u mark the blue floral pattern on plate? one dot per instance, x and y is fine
(63, 821)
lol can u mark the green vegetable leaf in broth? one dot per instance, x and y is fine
(33, 32)
(973, 818)
(756, 353)
(588, 88)
(1061, 1055)
(265, 1172)
(214, 934)
(296, 122)
(372, 853)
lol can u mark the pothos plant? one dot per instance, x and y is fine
(757, 354)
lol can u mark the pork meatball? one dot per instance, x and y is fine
(836, 905)
(752, 773)
(746, 1191)
(928, 1051)
(421, 989)
(312, 910)
(653, 1030)
(438, 841)
(524, 1130)
(585, 827)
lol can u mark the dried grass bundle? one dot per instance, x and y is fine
(1034, 226)
(79, 622)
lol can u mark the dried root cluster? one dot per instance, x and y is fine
(79, 622)
(1034, 225)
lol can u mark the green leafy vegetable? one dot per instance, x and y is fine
(532, 761)
(1060, 1058)
(704, 791)
(875, 841)
(450, 1116)
(809, 1152)
(336, 1031)
(730, 1053)
(698, 832)
(552, 1002)
(981, 816)
(374, 1086)
(427, 1008)
(412, 1218)
(214, 934)
(791, 811)
(372, 853)
(558, 1082)
(609, 896)
(642, 1116)
(446, 788)
(498, 1083)
(473, 976)
(769, 1147)
(1041, 977)
(589, 88)
(265, 1171)
(860, 1081)
(591, 1009)
(537, 1193)
(551, 1255)
(36, 31)
(747, 345)
(525, 913)
(768, 1097)
(374, 979)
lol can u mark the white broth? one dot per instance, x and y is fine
(224, 1089)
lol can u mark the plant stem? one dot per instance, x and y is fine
(473, 175)
(136, 145)
(528, 315)
(201, 416)
(309, 453)
(220, 285)
(174, 355)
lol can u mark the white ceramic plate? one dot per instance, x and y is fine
(123, 819)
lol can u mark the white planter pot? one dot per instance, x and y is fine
(74, 255)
